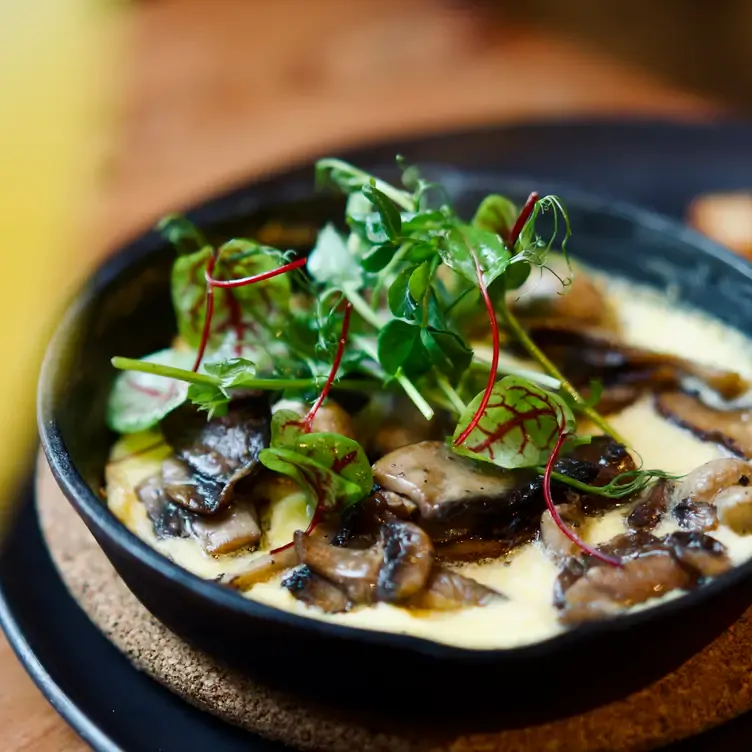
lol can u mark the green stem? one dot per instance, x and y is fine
(361, 306)
(450, 392)
(412, 392)
(537, 354)
(547, 382)
(191, 377)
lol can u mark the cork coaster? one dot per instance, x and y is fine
(709, 689)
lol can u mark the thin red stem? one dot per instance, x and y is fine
(605, 558)
(308, 421)
(318, 513)
(494, 359)
(243, 281)
(527, 210)
(211, 283)
(208, 315)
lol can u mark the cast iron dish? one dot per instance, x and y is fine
(125, 310)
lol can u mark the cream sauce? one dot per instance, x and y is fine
(527, 576)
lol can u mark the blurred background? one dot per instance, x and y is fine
(117, 111)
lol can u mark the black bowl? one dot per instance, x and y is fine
(125, 310)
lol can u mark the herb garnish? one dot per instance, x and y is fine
(408, 279)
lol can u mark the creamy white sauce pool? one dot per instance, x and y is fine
(527, 576)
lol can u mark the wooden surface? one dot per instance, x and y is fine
(221, 90)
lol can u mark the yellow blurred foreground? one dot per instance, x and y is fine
(51, 61)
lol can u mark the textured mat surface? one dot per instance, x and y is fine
(709, 689)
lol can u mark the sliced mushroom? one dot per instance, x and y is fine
(266, 566)
(605, 590)
(729, 428)
(399, 569)
(263, 569)
(361, 523)
(650, 567)
(308, 587)
(555, 541)
(222, 450)
(190, 490)
(455, 496)
(734, 508)
(701, 553)
(615, 398)
(609, 456)
(408, 558)
(611, 460)
(169, 520)
(652, 506)
(458, 498)
(695, 515)
(233, 529)
(355, 572)
(478, 549)
(705, 482)
(718, 490)
(450, 591)
(586, 353)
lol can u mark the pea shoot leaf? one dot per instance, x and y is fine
(391, 221)
(462, 244)
(234, 373)
(332, 263)
(496, 214)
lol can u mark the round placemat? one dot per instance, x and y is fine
(709, 689)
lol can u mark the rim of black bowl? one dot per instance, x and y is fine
(248, 198)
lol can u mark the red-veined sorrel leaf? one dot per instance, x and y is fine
(519, 426)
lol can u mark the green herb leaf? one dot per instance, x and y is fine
(211, 398)
(419, 281)
(332, 469)
(182, 233)
(331, 261)
(189, 294)
(518, 428)
(516, 274)
(447, 351)
(400, 302)
(388, 212)
(140, 400)
(462, 241)
(349, 179)
(378, 257)
(241, 312)
(233, 373)
(496, 214)
(397, 340)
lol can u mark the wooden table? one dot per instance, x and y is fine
(217, 91)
